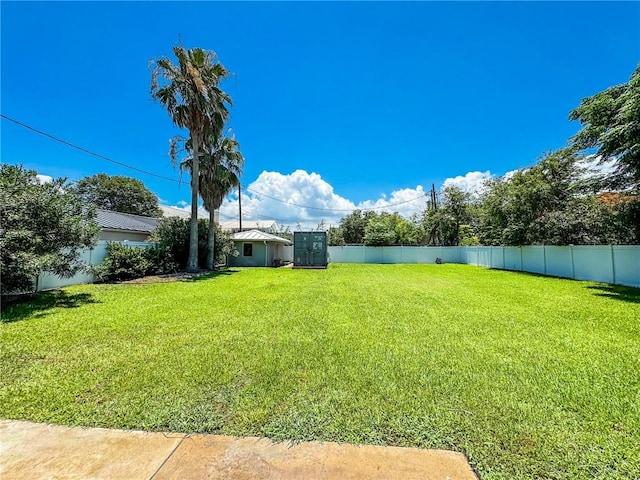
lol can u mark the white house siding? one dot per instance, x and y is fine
(122, 236)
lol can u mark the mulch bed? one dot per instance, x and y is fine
(172, 277)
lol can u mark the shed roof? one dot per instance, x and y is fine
(258, 236)
(126, 221)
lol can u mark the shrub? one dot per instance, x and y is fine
(160, 261)
(224, 246)
(172, 236)
(123, 263)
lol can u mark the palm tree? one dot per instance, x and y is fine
(221, 175)
(190, 92)
(221, 167)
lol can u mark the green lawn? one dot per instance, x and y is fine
(531, 377)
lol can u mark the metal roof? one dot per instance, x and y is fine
(180, 213)
(230, 225)
(258, 236)
(126, 221)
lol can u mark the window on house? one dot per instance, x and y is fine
(247, 249)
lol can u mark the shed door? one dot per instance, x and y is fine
(317, 250)
(310, 249)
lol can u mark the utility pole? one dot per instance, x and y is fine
(240, 206)
(436, 234)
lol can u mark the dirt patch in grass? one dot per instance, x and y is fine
(171, 277)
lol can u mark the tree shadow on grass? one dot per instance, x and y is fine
(224, 272)
(40, 304)
(617, 292)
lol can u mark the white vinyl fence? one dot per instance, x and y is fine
(617, 264)
(287, 253)
(362, 254)
(93, 257)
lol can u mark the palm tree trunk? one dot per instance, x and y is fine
(192, 263)
(211, 241)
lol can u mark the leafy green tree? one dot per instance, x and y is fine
(353, 226)
(455, 202)
(550, 203)
(443, 225)
(336, 237)
(582, 221)
(512, 205)
(118, 193)
(375, 229)
(468, 237)
(625, 220)
(407, 232)
(379, 232)
(43, 228)
(190, 92)
(611, 124)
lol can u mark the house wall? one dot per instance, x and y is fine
(261, 253)
(121, 236)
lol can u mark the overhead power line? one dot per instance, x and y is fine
(146, 172)
(333, 209)
(69, 144)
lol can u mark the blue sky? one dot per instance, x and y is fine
(372, 98)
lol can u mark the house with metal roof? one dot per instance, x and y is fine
(119, 227)
(257, 249)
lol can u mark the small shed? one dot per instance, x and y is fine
(257, 249)
(310, 250)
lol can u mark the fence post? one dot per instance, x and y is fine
(544, 258)
(573, 268)
(613, 266)
(521, 262)
(504, 259)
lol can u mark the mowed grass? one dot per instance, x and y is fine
(530, 377)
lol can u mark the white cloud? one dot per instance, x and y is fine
(471, 182)
(406, 202)
(508, 175)
(307, 199)
(44, 179)
(595, 166)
